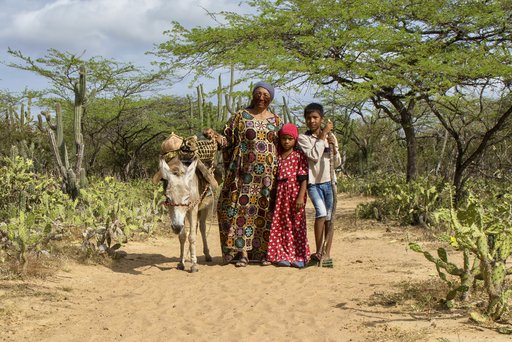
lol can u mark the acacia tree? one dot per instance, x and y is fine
(120, 84)
(474, 126)
(393, 53)
(130, 144)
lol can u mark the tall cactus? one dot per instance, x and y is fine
(230, 99)
(191, 114)
(74, 176)
(220, 111)
(286, 113)
(200, 103)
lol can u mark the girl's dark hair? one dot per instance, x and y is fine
(314, 107)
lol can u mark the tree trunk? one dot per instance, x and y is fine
(405, 120)
(410, 138)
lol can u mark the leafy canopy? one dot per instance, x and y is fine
(363, 45)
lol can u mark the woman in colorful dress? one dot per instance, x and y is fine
(244, 210)
(288, 244)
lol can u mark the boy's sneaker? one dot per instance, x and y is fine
(327, 263)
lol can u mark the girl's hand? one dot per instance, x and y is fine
(299, 204)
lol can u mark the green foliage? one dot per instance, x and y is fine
(408, 203)
(23, 190)
(363, 45)
(375, 185)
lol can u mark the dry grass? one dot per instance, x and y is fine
(423, 296)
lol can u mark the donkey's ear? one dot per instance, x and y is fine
(164, 169)
(191, 170)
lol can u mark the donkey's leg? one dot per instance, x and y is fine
(192, 215)
(203, 214)
(183, 239)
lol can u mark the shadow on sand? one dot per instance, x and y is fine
(137, 263)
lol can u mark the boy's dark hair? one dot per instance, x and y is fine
(314, 107)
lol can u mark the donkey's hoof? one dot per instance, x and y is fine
(208, 258)
(180, 267)
(194, 269)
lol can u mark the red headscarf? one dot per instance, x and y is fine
(289, 129)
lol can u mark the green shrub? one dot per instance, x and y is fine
(112, 211)
(35, 211)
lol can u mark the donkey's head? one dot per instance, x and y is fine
(181, 191)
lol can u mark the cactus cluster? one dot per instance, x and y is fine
(465, 274)
(482, 232)
(228, 103)
(22, 119)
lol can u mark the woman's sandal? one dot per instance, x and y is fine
(242, 262)
(265, 262)
(227, 259)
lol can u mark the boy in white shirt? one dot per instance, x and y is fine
(315, 145)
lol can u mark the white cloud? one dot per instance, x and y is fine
(102, 27)
(120, 29)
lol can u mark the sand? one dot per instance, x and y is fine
(143, 297)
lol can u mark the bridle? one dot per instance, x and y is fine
(169, 203)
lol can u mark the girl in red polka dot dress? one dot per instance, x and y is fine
(288, 244)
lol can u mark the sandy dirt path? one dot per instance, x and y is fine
(143, 297)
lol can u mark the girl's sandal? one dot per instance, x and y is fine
(314, 260)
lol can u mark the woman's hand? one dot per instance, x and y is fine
(209, 133)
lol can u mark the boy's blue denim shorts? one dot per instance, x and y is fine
(322, 198)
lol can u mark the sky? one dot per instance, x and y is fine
(116, 29)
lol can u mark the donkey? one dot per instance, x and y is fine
(187, 196)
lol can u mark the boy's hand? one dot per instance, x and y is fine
(328, 127)
(330, 139)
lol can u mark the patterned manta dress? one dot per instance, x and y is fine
(288, 236)
(246, 199)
